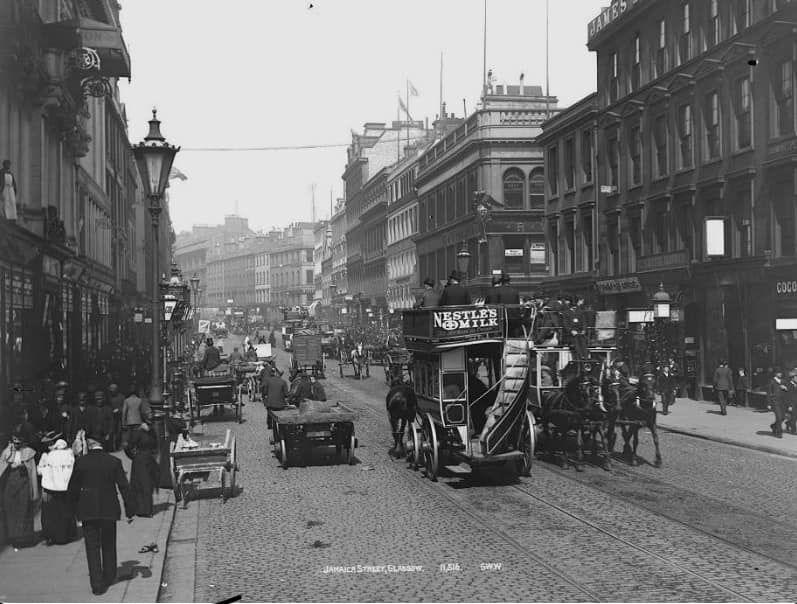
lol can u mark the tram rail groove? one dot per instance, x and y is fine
(676, 520)
(736, 596)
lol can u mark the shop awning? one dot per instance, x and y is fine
(106, 39)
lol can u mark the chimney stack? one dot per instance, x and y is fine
(521, 84)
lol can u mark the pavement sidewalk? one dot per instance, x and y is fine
(742, 426)
(59, 573)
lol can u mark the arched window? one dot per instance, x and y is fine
(514, 185)
(537, 189)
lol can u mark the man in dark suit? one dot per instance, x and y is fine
(453, 293)
(777, 394)
(92, 488)
(430, 297)
(504, 293)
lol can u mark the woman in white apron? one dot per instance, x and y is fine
(8, 192)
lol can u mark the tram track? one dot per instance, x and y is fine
(650, 555)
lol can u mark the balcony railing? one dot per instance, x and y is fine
(663, 261)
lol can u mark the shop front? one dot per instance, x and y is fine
(783, 290)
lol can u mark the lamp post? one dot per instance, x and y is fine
(195, 302)
(463, 261)
(154, 157)
(661, 314)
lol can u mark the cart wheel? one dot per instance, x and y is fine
(526, 444)
(350, 450)
(412, 443)
(239, 413)
(431, 454)
(283, 454)
(340, 367)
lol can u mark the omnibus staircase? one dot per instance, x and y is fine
(510, 402)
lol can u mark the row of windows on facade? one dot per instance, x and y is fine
(671, 46)
(452, 201)
(780, 110)
(402, 186)
(401, 265)
(402, 225)
(288, 278)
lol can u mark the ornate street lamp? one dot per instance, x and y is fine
(463, 260)
(154, 157)
(661, 303)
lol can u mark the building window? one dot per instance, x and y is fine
(635, 238)
(553, 229)
(514, 192)
(586, 242)
(635, 63)
(537, 189)
(660, 139)
(784, 99)
(614, 161)
(514, 253)
(586, 155)
(635, 155)
(614, 80)
(783, 206)
(742, 109)
(685, 136)
(741, 16)
(661, 48)
(661, 230)
(570, 163)
(714, 31)
(712, 120)
(613, 236)
(742, 213)
(553, 171)
(684, 48)
(570, 245)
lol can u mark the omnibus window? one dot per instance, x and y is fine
(453, 386)
(426, 377)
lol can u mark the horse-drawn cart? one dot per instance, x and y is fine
(297, 430)
(308, 356)
(204, 466)
(398, 365)
(216, 391)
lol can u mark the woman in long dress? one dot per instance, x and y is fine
(144, 471)
(20, 490)
(58, 517)
(8, 192)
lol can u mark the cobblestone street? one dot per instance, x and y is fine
(377, 531)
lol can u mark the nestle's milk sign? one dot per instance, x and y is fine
(466, 319)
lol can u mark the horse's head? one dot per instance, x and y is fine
(646, 390)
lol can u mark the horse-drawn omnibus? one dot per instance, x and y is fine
(471, 383)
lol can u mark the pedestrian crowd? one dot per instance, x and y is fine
(57, 460)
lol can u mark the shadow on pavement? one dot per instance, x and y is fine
(130, 569)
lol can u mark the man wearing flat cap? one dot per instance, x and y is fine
(453, 293)
(92, 488)
(430, 297)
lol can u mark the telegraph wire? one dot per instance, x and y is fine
(275, 148)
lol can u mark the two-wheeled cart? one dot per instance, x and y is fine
(308, 356)
(298, 430)
(216, 391)
(209, 467)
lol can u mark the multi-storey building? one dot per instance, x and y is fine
(265, 243)
(320, 246)
(291, 266)
(481, 190)
(338, 286)
(76, 185)
(696, 121)
(571, 199)
(366, 207)
(402, 226)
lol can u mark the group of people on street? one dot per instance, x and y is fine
(58, 460)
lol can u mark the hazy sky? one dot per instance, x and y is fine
(266, 73)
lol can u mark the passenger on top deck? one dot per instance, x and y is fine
(430, 297)
(453, 293)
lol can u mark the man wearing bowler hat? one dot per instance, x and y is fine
(453, 293)
(92, 488)
(430, 297)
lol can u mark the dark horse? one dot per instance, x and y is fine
(632, 407)
(575, 408)
(402, 406)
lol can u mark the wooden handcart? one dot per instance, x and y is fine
(215, 391)
(297, 430)
(208, 468)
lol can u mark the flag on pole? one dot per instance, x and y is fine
(404, 108)
(175, 173)
(412, 90)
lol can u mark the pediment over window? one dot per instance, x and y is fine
(738, 51)
(657, 94)
(709, 68)
(679, 81)
(609, 118)
(632, 107)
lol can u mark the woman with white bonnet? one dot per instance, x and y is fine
(58, 517)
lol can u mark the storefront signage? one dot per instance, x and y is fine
(618, 286)
(454, 320)
(608, 16)
(513, 252)
(786, 288)
(51, 266)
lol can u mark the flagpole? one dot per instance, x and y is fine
(441, 85)
(398, 132)
(408, 113)
(484, 47)
(547, 89)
